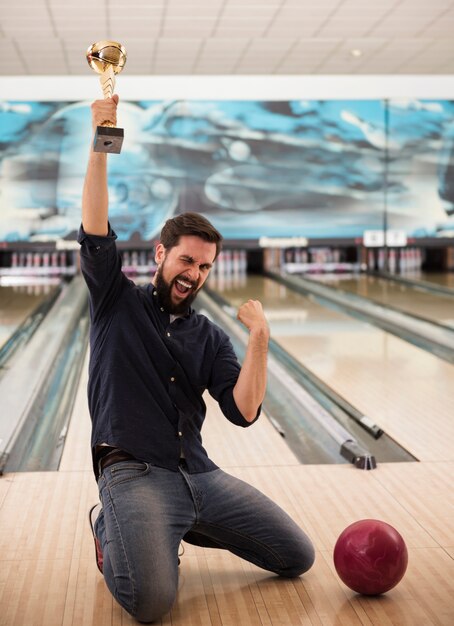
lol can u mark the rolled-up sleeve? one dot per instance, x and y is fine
(224, 376)
(94, 247)
(101, 267)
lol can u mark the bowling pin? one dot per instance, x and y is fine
(392, 261)
(243, 261)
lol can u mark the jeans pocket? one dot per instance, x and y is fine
(125, 471)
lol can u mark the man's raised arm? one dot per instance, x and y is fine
(250, 388)
(95, 201)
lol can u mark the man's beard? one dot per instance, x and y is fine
(163, 289)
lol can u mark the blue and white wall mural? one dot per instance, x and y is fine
(311, 168)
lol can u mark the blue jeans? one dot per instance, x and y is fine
(148, 510)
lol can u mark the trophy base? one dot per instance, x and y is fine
(108, 139)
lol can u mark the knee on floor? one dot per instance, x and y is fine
(303, 559)
(151, 602)
(149, 611)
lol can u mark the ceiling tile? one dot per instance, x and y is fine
(279, 36)
(191, 10)
(293, 28)
(248, 11)
(266, 3)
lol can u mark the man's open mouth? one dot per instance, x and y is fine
(183, 286)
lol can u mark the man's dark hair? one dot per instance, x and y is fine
(190, 224)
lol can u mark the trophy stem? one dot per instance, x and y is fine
(107, 80)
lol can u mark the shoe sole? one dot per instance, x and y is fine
(98, 553)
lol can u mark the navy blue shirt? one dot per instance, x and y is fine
(146, 375)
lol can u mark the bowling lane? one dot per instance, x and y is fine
(405, 390)
(443, 279)
(434, 307)
(18, 301)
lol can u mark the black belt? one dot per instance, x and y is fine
(116, 455)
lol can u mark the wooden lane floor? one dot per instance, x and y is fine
(444, 279)
(405, 390)
(434, 307)
(48, 575)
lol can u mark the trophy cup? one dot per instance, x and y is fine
(107, 58)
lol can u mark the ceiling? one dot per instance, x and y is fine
(231, 37)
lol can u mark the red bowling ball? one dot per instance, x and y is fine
(370, 557)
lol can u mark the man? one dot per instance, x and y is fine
(152, 358)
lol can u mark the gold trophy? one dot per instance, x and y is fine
(107, 58)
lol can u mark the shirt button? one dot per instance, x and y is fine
(168, 334)
(172, 379)
(162, 308)
(180, 434)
